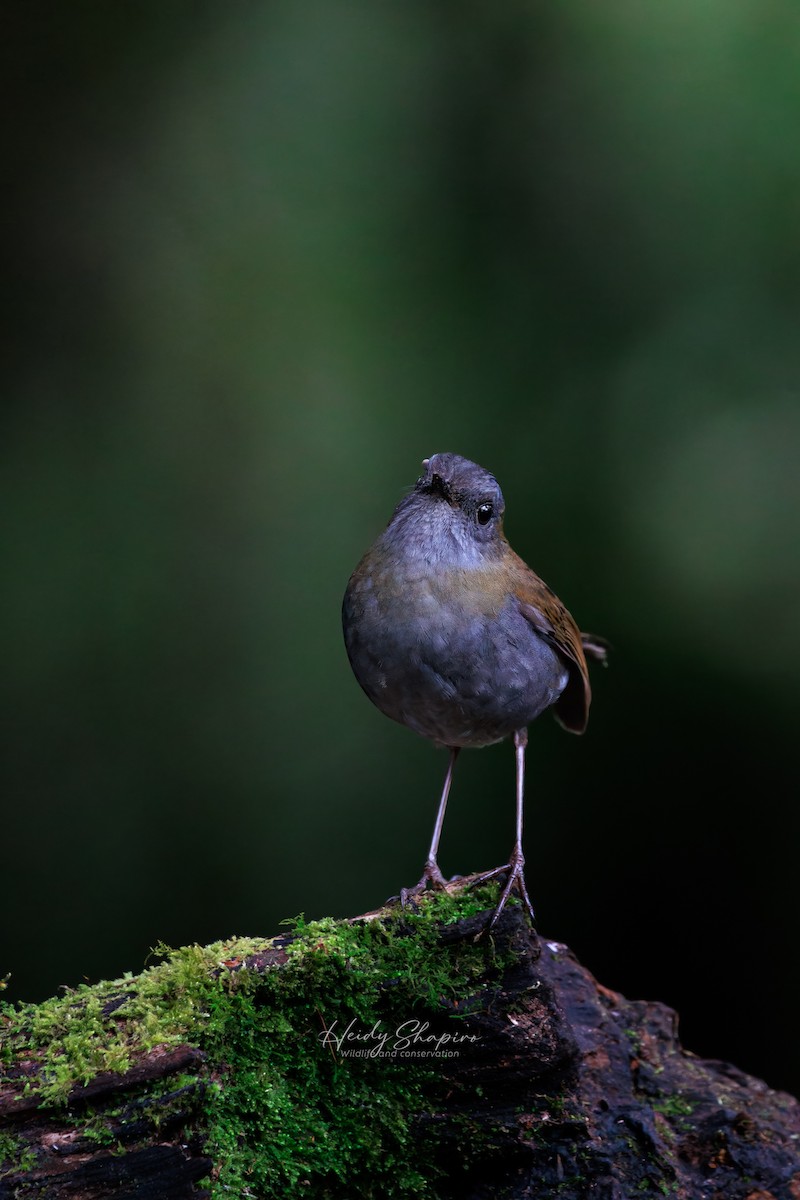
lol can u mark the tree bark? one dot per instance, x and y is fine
(565, 1089)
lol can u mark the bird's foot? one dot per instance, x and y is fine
(431, 878)
(514, 871)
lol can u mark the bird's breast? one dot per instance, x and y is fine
(447, 652)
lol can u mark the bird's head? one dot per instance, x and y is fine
(454, 514)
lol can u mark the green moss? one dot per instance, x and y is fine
(292, 1113)
(634, 1038)
(15, 1155)
(288, 1107)
(673, 1106)
(102, 1027)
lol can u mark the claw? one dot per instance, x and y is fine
(431, 877)
(514, 870)
(485, 876)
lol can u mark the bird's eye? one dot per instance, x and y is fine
(485, 513)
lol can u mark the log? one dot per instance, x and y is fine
(391, 1055)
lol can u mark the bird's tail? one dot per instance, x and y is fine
(596, 647)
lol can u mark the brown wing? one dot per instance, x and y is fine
(548, 616)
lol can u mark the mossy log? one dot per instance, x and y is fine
(394, 1055)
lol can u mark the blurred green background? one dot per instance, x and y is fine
(261, 259)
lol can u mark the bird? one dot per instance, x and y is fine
(450, 633)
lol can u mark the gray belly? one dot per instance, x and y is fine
(455, 677)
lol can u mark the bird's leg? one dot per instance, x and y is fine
(516, 863)
(431, 875)
(514, 870)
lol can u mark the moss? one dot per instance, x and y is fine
(97, 1028)
(292, 1113)
(634, 1037)
(317, 1071)
(673, 1106)
(15, 1155)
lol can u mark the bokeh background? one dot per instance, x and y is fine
(260, 260)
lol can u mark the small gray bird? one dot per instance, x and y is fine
(449, 632)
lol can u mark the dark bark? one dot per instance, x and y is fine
(569, 1090)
